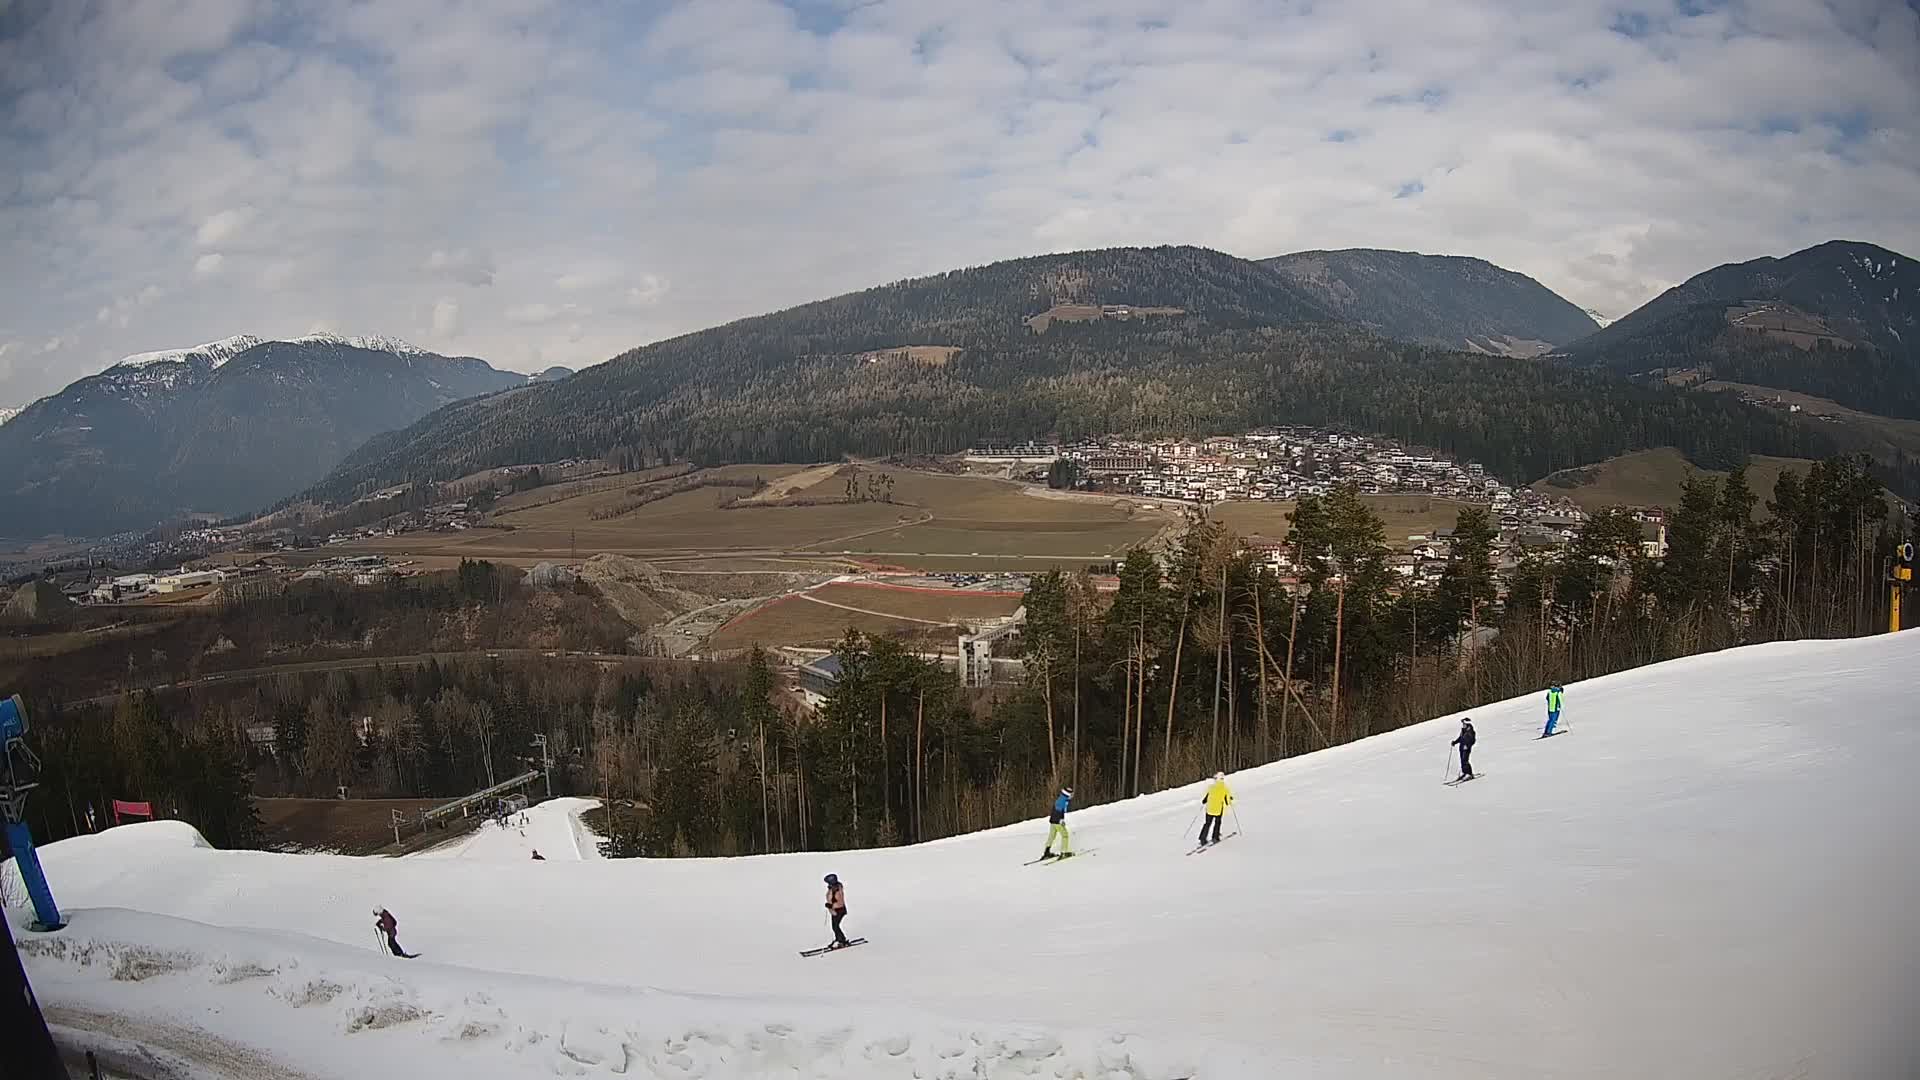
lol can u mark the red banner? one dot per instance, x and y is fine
(131, 809)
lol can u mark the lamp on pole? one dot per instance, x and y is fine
(546, 762)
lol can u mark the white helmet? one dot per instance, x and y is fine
(1220, 775)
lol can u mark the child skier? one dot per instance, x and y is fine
(1217, 799)
(1057, 825)
(837, 906)
(1465, 742)
(1553, 709)
(388, 925)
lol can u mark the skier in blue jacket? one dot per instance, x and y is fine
(1553, 708)
(1058, 825)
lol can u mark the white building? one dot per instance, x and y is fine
(186, 579)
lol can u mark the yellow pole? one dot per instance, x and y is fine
(1893, 609)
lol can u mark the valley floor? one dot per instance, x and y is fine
(1709, 875)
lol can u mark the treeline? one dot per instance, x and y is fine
(1523, 419)
(1211, 659)
(480, 605)
(642, 494)
(139, 751)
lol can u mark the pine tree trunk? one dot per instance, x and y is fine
(1140, 695)
(1074, 771)
(766, 822)
(1286, 700)
(919, 766)
(1265, 752)
(1339, 626)
(1173, 694)
(1219, 672)
(1126, 723)
(1233, 721)
(1053, 756)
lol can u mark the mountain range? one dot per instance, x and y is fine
(1150, 340)
(220, 428)
(1167, 339)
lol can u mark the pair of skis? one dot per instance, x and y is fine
(825, 949)
(1223, 839)
(1058, 858)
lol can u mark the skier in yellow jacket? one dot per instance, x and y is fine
(1218, 798)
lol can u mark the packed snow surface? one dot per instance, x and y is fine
(1711, 874)
(553, 828)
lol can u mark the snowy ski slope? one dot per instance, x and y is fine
(1712, 875)
(553, 829)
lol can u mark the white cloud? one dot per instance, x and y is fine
(366, 160)
(53, 345)
(121, 311)
(650, 290)
(465, 266)
(223, 226)
(446, 318)
(540, 314)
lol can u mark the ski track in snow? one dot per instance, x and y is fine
(1714, 879)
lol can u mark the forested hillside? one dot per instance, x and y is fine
(1445, 300)
(1839, 321)
(1247, 348)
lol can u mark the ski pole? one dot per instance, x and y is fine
(1448, 774)
(1237, 827)
(1190, 821)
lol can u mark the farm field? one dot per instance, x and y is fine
(939, 605)
(934, 521)
(1655, 478)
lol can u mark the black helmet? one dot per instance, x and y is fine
(833, 879)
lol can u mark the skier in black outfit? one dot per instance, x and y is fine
(1465, 743)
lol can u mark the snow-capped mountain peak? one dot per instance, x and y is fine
(1599, 318)
(376, 342)
(8, 412)
(218, 352)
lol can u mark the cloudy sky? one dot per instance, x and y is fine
(541, 183)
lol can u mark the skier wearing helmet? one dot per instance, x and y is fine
(389, 927)
(1057, 826)
(837, 907)
(1217, 799)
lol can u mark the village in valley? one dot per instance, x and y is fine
(1281, 465)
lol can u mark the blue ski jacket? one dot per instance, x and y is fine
(1059, 809)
